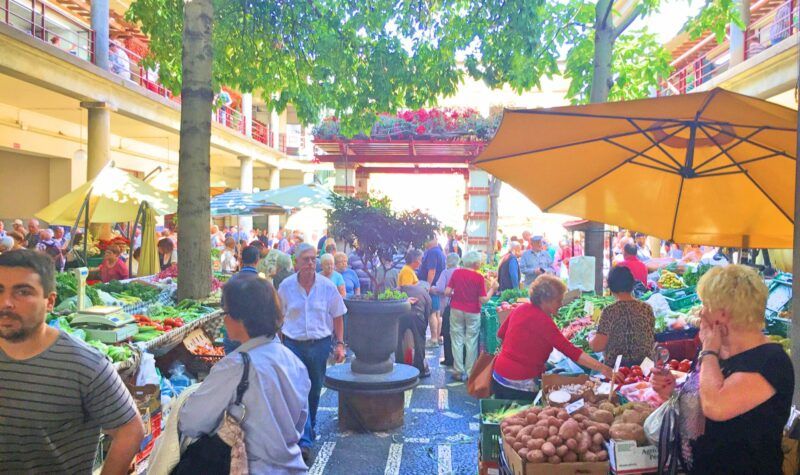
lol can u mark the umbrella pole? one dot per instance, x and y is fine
(74, 228)
(86, 228)
(139, 214)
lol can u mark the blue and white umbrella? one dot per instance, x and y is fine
(234, 203)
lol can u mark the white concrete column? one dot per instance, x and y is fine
(738, 36)
(362, 185)
(345, 180)
(308, 178)
(274, 220)
(274, 128)
(245, 186)
(478, 211)
(247, 113)
(99, 136)
(100, 20)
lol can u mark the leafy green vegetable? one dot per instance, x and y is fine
(511, 295)
(691, 278)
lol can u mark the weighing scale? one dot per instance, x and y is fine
(104, 323)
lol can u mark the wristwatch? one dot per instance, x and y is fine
(337, 343)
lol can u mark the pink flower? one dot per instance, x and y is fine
(421, 129)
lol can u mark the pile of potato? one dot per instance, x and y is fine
(551, 435)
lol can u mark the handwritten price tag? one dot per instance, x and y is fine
(575, 406)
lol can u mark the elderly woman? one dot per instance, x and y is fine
(451, 261)
(352, 284)
(745, 381)
(276, 398)
(529, 335)
(627, 326)
(327, 262)
(467, 292)
(283, 267)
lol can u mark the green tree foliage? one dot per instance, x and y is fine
(374, 229)
(715, 16)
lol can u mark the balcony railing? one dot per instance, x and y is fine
(230, 118)
(761, 34)
(772, 28)
(50, 25)
(59, 29)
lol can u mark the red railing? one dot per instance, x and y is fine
(61, 30)
(50, 25)
(262, 133)
(772, 28)
(230, 118)
(128, 65)
(761, 34)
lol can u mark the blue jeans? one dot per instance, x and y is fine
(314, 355)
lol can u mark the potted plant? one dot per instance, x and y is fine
(374, 230)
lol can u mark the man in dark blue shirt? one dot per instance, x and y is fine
(433, 264)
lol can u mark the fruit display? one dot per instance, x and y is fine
(670, 280)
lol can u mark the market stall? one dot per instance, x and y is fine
(712, 168)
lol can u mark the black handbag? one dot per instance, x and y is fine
(210, 454)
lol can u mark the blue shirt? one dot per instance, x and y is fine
(433, 258)
(337, 279)
(249, 269)
(276, 402)
(351, 282)
(513, 271)
(532, 261)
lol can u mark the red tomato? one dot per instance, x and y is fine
(673, 364)
(623, 370)
(684, 367)
(637, 371)
(630, 380)
(169, 322)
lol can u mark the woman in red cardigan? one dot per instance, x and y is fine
(529, 336)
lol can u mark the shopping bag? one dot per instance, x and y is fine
(479, 384)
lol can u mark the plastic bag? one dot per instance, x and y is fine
(147, 373)
(581, 273)
(660, 305)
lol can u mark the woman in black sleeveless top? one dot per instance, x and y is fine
(746, 382)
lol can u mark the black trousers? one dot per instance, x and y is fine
(448, 343)
(410, 321)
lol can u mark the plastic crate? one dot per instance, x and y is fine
(490, 431)
(672, 335)
(680, 298)
(489, 327)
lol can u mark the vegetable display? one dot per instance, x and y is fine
(504, 412)
(67, 287)
(138, 290)
(691, 278)
(512, 295)
(670, 280)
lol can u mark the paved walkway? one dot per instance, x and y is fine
(440, 435)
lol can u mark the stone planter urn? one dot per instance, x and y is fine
(371, 386)
(372, 331)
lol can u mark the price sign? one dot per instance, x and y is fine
(575, 406)
(617, 363)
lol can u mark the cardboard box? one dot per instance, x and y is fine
(148, 401)
(626, 458)
(523, 467)
(550, 381)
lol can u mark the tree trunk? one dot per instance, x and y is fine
(494, 194)
(604, 36)
(795, 331)
(194, 172)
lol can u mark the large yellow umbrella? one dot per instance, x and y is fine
(114, 197)
(148, 258)
(714, 168)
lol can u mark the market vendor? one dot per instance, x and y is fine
(744, 382)
(167, 256)
(112, 267)
(529, 335)
(626, 327)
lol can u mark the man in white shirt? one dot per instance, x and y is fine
(313, 325)
(119, 62)
(643, 250)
